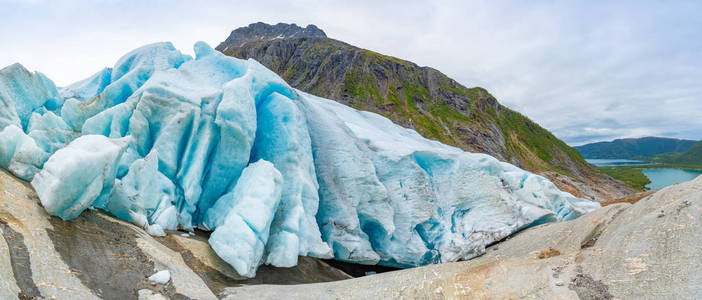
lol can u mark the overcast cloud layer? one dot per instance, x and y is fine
(587, 71)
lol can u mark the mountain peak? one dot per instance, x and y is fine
(265, 32)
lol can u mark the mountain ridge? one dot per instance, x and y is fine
(634, 148)
(691, 157)
(426, 100)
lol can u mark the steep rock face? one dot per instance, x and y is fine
(649, 250)
(426, 100)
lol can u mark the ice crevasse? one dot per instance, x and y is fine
(168, 142)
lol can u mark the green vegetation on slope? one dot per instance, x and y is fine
(425, 100)
(531, 139)
(631, 175)
(531, 145)
(690, 158)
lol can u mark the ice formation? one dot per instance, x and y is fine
(242, 219)
(161, 277)
(170, 142)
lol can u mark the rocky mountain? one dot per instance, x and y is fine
(97, 256)
(263, 32)
(634, 148)
(423, 99)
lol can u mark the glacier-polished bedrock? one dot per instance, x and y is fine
(167, 141)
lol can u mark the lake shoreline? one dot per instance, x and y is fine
(641, 164)
(632, 172)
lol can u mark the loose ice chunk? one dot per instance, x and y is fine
(161, 277)
(155, 230)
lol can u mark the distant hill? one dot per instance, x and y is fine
(639, 148)
(420, 98)
(691, 157)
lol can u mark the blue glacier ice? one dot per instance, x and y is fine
(167, 141)
(242, 219)
(19, 153)
(282, 137)
(22, 93)
(79, 175)
(145, 196)
(87, 88)
(130, 72)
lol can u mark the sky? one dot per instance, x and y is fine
(585, 70)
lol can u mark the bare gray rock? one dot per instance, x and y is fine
(644, 255)
(259, 32)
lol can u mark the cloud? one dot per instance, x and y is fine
(587, 71)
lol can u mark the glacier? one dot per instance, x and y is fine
(173, 142)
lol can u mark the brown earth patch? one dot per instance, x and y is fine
(633, 198)
(550, 252)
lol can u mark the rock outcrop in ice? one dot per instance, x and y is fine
(167, 141)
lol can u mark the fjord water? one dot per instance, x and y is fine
(661, 178)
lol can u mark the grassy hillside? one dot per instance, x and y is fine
(631, 175)
(691, 157)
